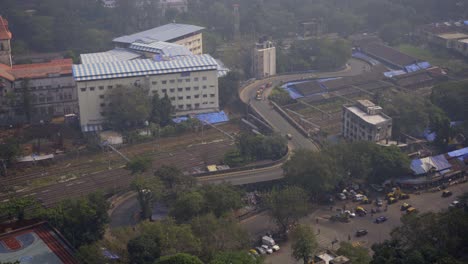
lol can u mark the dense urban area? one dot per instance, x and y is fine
(234, 132)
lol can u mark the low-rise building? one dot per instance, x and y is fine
(189, 36)
(365, 121)
(34, 92)
(264, 59)
(191, 82)
(461, 46)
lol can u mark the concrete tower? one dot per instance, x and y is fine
(5, 47)
(236, 21)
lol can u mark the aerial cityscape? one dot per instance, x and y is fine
(233, 132)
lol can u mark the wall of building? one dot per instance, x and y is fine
(264, 64)
(194, 43)
(5, 52)
(356, 129)
(191, 92)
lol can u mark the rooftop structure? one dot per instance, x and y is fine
(451, 36)
(169, 33)
(365, 121)
(117, 54)
(37, 243)
(142, 67)
(388, 55)
(42, 70)
(5, 47)
(264, 59)
(4, 31)
(162, 48)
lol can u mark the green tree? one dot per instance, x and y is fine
(218, 234)
(452, 98)
(129, 106)
(173, 179)
(81, 221)
(315, 172)
(91, 254)
(233, 158)
(180, 258)
(138, 165)
(221, 198)
(229, 89)
(357, 255)
(188, 205)
(144, 249)
(304, 243)
(148, 190)
(235, 257)
(172, 238)
(9, 150)
(18, 206)
(161, 110)
(287, 206)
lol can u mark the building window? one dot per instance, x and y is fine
(180, 106)
(154, 82)
(188, 106)
(172, 90)
(195, 79)
(109, 87)
(91, 88)
(205, 96)
(196, 96)
(180, 89)
(212, 86)
(83, 89)
(196, 88)
(197, 105)
(187, 88)
(180, 98)
(102, 105)
(179, 80)
(187, 80)
(188, 97)
(48, 87)
(164, 90)
(101, 88)
(204, 86)
(172, 98)
(103, 113)
(172, 81)
(164, 82)
(212, 95)
(154, 91)
(204, 78)
(211, 102)
(101, 96)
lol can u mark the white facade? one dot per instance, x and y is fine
(365, 121)
(193, 42)
(190, 92)
(264, 60)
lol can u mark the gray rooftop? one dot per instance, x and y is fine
(167, 32)
(371, 119)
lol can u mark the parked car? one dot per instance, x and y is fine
(359, 197)
(253, 252)
(446, 193)
(366, 200)
(410, 210)
(392, 200)
(377, 188)
(275, 248)
(350, 214)
(289, 136)
(404, 196)
(379, 202)
(455, 204)
(260, 250)
(380, 219)
(341, 196)
(267, 249)
(361, 232)
(360, 211)
(405, 206)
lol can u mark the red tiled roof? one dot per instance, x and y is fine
(5, 72)
(4, 32)
(38, 70)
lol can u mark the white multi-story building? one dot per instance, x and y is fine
(264, 59)
(191, 82)
(189, 36)
(365, 121)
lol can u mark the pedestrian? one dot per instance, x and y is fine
(316, 220)
(349, 237)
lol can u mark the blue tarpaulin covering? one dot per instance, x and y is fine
(437, 163)
(362, 56)
(424, 65)
(213, 118)
(417, 66)
(293, 93)
(458, 152)
(179, 119)
(465, 22)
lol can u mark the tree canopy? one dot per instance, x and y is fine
(304, 243)
(180, 258)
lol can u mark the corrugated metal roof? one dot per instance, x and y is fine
(109, 56)
(424, 165)
(121, 69)
(163, 33)
(458, 152)
(160, 47)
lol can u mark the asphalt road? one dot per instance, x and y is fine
(274, 119)
(329, 231)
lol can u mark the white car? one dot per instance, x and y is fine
(260, 250)
(342, 196)
(350, 214)
(275, 248)
(267, 249)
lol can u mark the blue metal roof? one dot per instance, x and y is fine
(163, 33)
(458, 152)
(213, 118)
(122, 69)
(160, 47)
(438, 163)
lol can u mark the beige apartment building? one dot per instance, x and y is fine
(191, 82)
(264, 59)
(365, 121)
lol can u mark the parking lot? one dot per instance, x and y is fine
(327, 231)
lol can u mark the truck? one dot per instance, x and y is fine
(266, 240)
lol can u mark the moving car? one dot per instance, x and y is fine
(361, 232)
(350, 214)
(379, 202)
(455, 204)
(380, 219)
(405, 206)
(446, 193)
